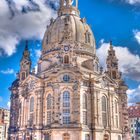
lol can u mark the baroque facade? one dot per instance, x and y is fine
(4, 123)
(70, 97)
(134, 121)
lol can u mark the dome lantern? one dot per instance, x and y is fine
(67, 7)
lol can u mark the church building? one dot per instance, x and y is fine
(70, 97)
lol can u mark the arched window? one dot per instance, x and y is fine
(49, 101)
(104, 111)
(66, 59)
(32, 104)
(66, 136)
(66, 97)
(66, 107)
(84, 109)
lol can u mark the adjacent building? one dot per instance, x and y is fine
(134, 121)
(4, 123)
(70, 97)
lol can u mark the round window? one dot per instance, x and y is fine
(66, 78)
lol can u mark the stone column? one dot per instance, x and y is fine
(56, 103)
(39, 108)
(75, 105)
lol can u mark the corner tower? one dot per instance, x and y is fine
(25, 63)
(112, 64)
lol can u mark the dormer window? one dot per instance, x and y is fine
(114, 75)
(96, 67)
(66, 59)
(87, 37)
(23, 75)
(47, 40)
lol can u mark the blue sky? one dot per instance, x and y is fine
(116, 20)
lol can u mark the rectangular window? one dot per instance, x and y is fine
(66, 119)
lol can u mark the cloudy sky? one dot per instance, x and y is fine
(116, 20)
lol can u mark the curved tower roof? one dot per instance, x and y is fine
(69, 28)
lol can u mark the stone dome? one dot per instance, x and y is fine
(69, 27)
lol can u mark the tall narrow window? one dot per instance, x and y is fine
(116, 114)
(116, 107)
(114, 75)
(87, 37)
(66, 59)
(66, 107)
(23, 75)
(49, 104)
(20, 113)
(84, 109)
(47, 40)
(31, 111)
(104, 111)
(84, 101)
(66, 136)
(32, 104)
(96, 66)
(49, 101)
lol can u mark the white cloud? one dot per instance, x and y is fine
(8, 71)
(133, 95)
(137, 35)
(31, 24)
(133, 1)
(9, 104)
(37, 56)
(38, 53)
(129, 64)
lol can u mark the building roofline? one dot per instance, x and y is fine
(4, 109)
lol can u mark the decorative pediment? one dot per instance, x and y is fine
(31, 82)
(106, 81)
(88, 64)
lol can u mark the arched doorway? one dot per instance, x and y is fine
(106, 137)
(66, 136)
